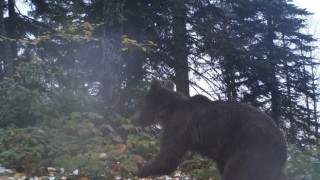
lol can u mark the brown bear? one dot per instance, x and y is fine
(244, 142)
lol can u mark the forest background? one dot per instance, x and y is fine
(72, 71)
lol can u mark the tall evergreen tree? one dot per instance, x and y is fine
(12, 26)
(6, 57)
(256, 47)
(281, 44)
(111, 48)
(180, 52)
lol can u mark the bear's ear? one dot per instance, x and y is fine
(169, 84)
(155, 84)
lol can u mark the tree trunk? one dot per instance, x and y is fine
(229, 79)
(229, 74)
(12, 25)
(314, 99)
(6, 52)
(272, 81)
(180, 51)
(289, 97)
(112, 55)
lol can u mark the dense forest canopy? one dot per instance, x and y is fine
(97, 56)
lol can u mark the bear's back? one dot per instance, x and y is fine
(217, 128)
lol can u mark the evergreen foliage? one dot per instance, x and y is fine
(64, 59)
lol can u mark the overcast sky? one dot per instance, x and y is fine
(312, 6)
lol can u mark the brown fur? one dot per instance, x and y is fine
(244, 142)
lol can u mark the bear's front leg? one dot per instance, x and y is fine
(165, 162)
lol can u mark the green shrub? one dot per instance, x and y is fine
(303, 165)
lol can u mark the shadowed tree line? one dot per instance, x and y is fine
(254, 52)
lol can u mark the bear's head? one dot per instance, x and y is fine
(159, 102)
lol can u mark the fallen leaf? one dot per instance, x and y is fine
(138, 160)
(120, 149)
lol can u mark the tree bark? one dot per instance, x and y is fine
(229, 79)
(272, 81)
(229, 73)
(314, 99)
(12, 26)
(112, 54)
(6, 52)
(180, 51)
